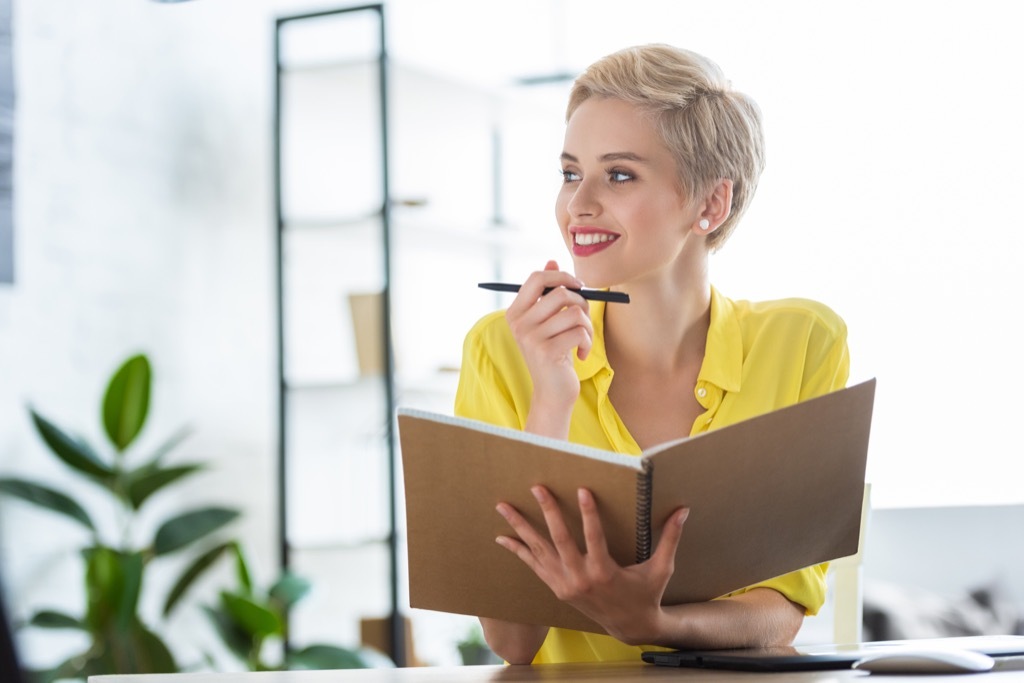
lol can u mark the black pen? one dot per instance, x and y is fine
(593, 294)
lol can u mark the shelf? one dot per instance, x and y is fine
(338, 546)
(440, 380)
(444, 198)
(326, 66)
(338, 480)
(328, 222)
(337, 447)
(346, 587)
(370, 219)
(359, 385)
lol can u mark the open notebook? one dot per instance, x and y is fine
(767, 496)
(819, 657)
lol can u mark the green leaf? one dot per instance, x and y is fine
(42, 675)
(48, 498)
(152, 656)
(99, 659)
(148, 479)
(132, 650)
(103, 583)
(326, 657)
(113, 583)
(171, 443)
(242, 570)
(192, 573)
(251, 617)
(187, 528)
(126, 401)
(289, 589)
(78, 667)
(74, 452)
(52, 619)
(131, 567)
(238, 641)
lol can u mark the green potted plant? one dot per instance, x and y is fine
(115, 559)
(248, 619)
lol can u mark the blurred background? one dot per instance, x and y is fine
(218, 184)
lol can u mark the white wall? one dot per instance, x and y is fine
(143, 212)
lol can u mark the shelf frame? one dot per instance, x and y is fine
(396, 621)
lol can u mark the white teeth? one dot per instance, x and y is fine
(587, 238)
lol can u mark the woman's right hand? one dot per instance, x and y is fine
(550, 330)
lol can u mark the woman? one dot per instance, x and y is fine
(661, 159)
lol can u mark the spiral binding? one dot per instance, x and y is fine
(644, 482)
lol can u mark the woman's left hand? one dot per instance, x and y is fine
(625, 601)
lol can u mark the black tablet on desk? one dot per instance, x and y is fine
(823, 657)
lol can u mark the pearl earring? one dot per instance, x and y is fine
(704, 224)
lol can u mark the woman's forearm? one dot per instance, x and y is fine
(515, 643)
(759, 618)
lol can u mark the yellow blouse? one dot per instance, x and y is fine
(759, 356)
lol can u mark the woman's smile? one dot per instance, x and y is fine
(587, 241)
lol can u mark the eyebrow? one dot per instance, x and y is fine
(611, 156)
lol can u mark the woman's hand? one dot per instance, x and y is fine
(625, 601)
(550, 330)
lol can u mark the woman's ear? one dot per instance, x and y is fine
(715, 209)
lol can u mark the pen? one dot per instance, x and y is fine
(593, 294)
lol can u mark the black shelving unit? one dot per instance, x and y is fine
(286, 385)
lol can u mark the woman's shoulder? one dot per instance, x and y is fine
(493, 372)
(490, 326)
(491, 337)
(789, 311)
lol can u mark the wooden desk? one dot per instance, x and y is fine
(1011, 669)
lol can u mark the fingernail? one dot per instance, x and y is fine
(582, 496)
(502, 510)
(681, 517)
(538, 493)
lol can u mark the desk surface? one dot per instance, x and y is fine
(1009, 669)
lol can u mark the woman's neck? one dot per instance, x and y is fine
(665, 325)
(655, 345)
(657, 330)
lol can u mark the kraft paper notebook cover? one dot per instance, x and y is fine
(767, 496)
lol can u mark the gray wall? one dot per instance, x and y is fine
(921, 566)
(948, 550)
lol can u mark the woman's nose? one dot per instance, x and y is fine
(584, 201)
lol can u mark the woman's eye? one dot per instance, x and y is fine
(620, 176)
(569, 176)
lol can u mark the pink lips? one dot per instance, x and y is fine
(593, 240)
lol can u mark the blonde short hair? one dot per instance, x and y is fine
(713, 131)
